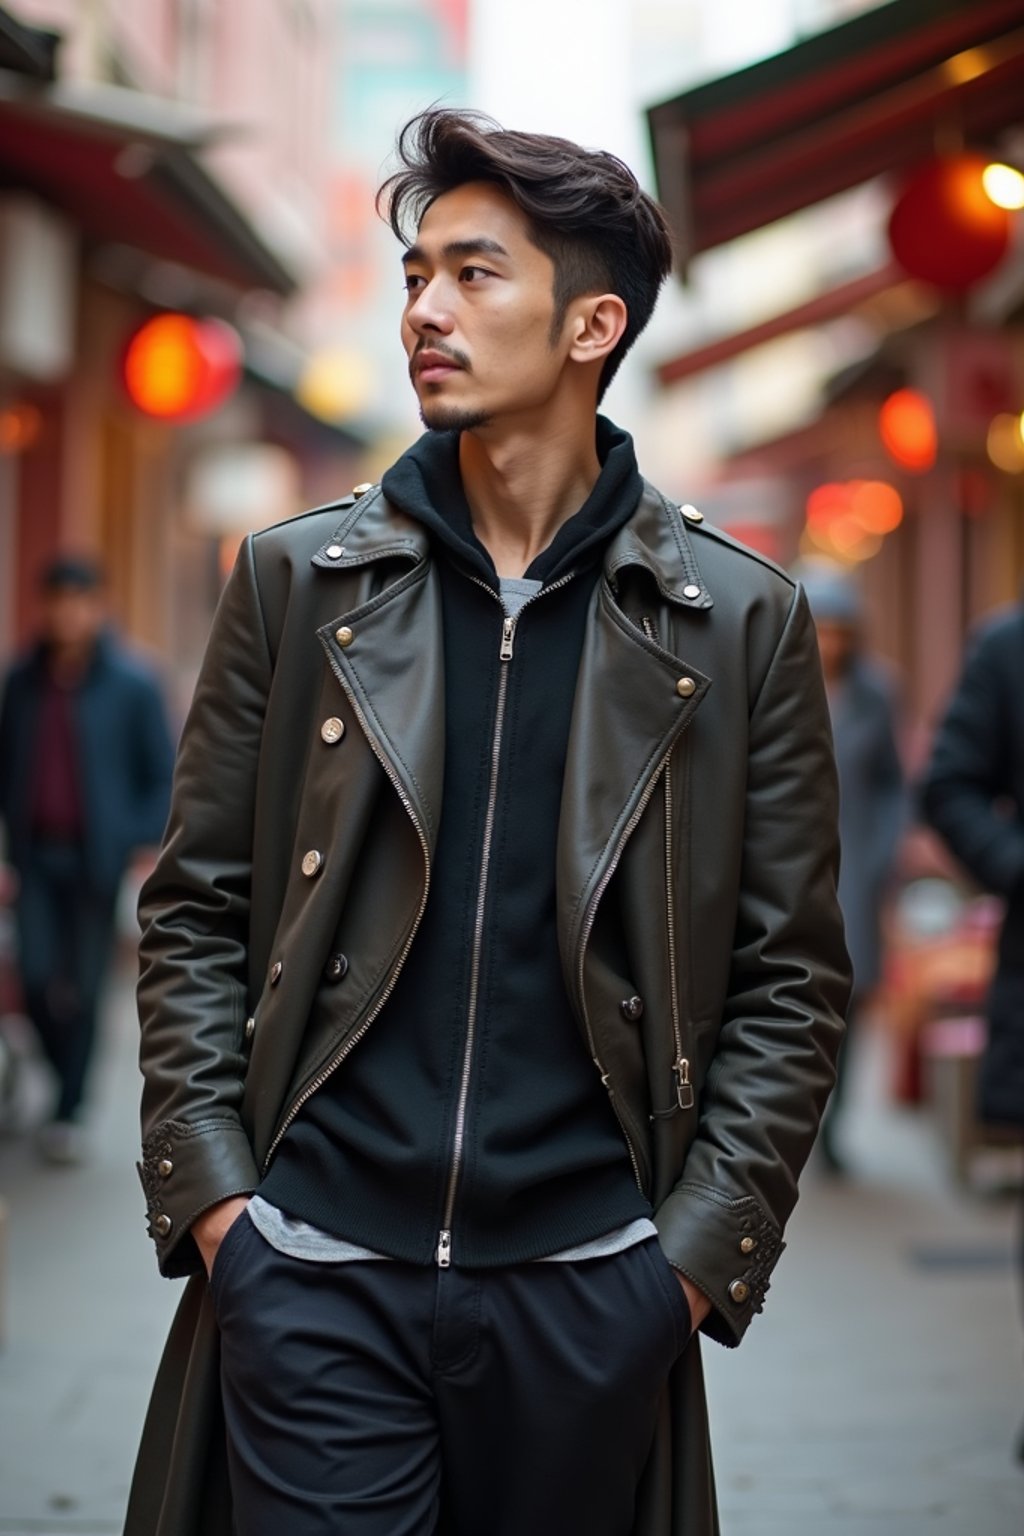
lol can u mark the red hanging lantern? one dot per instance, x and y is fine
(944, 228)
(179, 369)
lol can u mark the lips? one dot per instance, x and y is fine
(433, 366)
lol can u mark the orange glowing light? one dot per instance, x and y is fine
(876, 506)
(178, 369)
(20, 426)
(906, 424)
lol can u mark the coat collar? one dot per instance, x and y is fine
(656, 538)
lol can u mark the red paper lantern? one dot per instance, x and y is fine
(944, 228)
(179, 369)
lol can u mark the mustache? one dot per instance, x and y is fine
(450, 354)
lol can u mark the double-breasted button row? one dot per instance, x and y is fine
(632, 1008)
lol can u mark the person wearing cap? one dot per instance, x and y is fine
(872, 801)
(85, 770)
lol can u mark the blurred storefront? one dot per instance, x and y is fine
(163, 157)
(902, 450)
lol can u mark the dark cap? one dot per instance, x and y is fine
(76, 571)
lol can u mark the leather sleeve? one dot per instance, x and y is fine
(774, 1064)
(971, 765)
(194, 911)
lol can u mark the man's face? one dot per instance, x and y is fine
(72, 617)
(479, 312)
(836, 643)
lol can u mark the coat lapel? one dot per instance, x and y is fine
(633, 700)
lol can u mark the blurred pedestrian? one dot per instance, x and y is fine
(973, 795)
(85, 766)
(872, 799)
(492, 968)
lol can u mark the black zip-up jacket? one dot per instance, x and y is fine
(470, 1124)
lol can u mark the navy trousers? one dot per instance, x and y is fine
(376, 1398)
(65, 941)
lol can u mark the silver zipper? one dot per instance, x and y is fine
(354, 1039)
(508, 632)
(681, 1069)
(681, 1066)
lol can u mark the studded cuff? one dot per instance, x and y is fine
(727, 1247)
(185, 1169)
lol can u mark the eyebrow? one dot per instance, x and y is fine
(478, 245)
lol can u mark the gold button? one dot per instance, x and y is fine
(334, 551)
(748, 1245)
(332, 730)
(691, 514)
(685, 687)
(691, 592)
(361, 490)
(250, 1028)
(312, 863)
(739, 1291)
(165, 1167)
(275, 973)
(344, 635)
(163, 1225)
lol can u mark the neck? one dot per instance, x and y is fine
(69, 662)
(521, 487)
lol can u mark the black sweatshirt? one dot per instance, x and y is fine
(543, 1163)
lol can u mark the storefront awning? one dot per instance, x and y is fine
(126, 168)
(872, 95)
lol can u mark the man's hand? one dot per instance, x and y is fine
(209, 1228)
(699, 1304)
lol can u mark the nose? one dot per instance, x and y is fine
(428, 312)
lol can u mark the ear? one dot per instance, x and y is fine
(596, 324)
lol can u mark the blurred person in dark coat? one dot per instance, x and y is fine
(973, 795)
(85, 771)
(871, 794)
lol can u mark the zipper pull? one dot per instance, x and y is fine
(684, 1088)
(444, 1250)
(508, 629)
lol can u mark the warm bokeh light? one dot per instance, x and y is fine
(906, 424)
(20, 426)
(177, 368)
(1004, 186)
(1005, 443)
(336, 384)
(848, 519)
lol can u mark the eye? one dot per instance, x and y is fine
(474, 274)
(413, 282)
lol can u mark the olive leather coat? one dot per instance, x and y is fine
(699, 806)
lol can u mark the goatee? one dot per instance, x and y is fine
(452, 418)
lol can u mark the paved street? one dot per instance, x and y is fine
(877, 1396)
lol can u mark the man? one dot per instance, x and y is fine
(85, 774)
(973, 795)
(871, 798)
(496, 918)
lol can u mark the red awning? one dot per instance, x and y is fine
(873, 95)
(125, 168)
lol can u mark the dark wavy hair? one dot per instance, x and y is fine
(585, 208)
